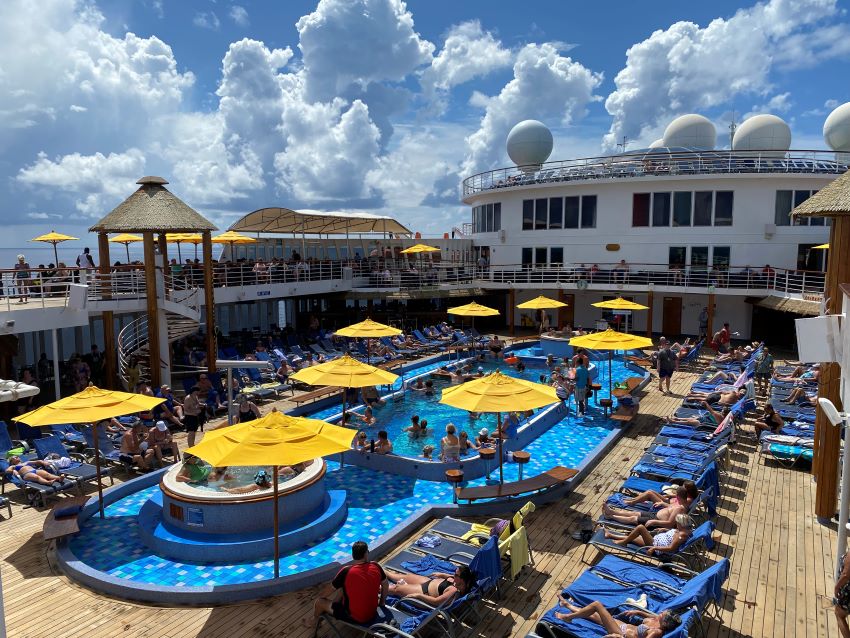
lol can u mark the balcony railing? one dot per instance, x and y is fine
(659, 163)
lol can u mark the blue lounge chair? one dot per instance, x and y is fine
(691, 553)
(69, 435)
(78, 469)
(550, 626)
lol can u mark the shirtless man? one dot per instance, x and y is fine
(135, 450)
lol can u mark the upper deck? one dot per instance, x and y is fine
(659, 162)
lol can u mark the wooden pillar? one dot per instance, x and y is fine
(827, 437)
(152, 309)
(209, 301)
(650, 302)
(110, 367)
(162, 241)
(709, 326)
(511, 310)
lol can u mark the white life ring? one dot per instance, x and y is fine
(581, 284)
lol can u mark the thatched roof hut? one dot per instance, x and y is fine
(832, 200)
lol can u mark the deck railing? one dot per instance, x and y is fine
(658, 162)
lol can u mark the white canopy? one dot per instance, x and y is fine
(14, 390)
(315, 222)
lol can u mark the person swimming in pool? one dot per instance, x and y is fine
(33, 471)
(262, 481)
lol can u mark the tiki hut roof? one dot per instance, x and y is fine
(832, 200)
(153, 208)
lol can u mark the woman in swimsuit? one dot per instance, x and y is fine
(665, 542)
(31, 471)
(661, 500)
(653, 625)
(435, 589)
(712, 418)
(770, 422)
(248, 410)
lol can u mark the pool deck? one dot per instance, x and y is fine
(780, 582)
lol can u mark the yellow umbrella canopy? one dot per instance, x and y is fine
(473, 309)
(620, 304)
(232, 237)
(126, 239)
(368, 329)
(275, 439)
(541, 303)
(821, 247)
(610, 340)
(54, 238)
(420, 248)
(345, 372)
(179, 238)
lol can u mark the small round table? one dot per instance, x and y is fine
(521, 457)
(454, 478)
(487, 454)
(607, 404)
(596, 387)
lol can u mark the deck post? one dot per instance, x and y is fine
(209, 300)
(650, 301)
(152, 309)
(512, 306)
(709, 326)
(109, 353)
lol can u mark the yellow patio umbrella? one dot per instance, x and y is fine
(275, 439)
(232, 237)
(499, 393)
(179, 238)
(126, 239)
(610, 340)
(345, 372)
(54, 238)
(821, 247)
(368, 329)
(620, 304)
(90, 405)
(419, 248)
(541, 303)
(472, 309)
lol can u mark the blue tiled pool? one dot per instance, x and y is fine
(377, 502)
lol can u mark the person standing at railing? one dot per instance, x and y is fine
(22, 278)
(84, 264)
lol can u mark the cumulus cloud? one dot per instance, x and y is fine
(346, 42)
(779, 103)
(539, 70)
(468, 52)
(98, 182)
(206, 20)
(687, 67)
(239, 15)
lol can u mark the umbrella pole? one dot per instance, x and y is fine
(179, 256)
(127, 246)
(55, 255)
(501, 455)
(276, 526)
(610, 381)
(97, 468)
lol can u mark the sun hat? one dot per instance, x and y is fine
(484, 432)
(161, 426)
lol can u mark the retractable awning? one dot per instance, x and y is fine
(314, 222)
(787, 304)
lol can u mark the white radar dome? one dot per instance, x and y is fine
(657, 143)
(690, 131)
(836, 129)
(529, 145)
(763, 133)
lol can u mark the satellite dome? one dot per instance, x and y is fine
(659, 143)
(690, 131)
(836, 129)
(763, 133)
(529, 145)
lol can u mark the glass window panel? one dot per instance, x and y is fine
(677, 255)
(588, 211)
(488, 227)
(661, 209)
(556, 212)
(556, 255)
(526, 256)
(497, 216)
(682, 204)
(702, 208)
(541, 214)
(528, 214)
(571, 212)
(640, 209)
(331, 252)
(783, 208)
(723, 204)
(699, 256)
(799, 198)
(720, 256)
(540, 256)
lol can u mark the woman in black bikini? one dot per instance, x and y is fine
(435, 589)
(248, 410)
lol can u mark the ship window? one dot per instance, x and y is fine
(556, 212)
(782, 216)
(702, 208)
(528, 214)
(661, 209)
(497, 217)
(540, 256)
(556, 255)
(720, 256)
(799, 198)
(723, 203)
(571, 212)
(488, 219)
(588, 211)
(640, 209)
(541, 214)
(682, 204)
(526, 257)
(677, 255)
(699, 256)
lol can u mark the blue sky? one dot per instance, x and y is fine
(371, 105)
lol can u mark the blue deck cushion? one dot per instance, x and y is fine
(428, 565)
(68, 510)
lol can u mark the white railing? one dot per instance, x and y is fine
(658, 162)
(131, 339)
(40, 288)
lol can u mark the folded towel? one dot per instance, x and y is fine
(427, 565)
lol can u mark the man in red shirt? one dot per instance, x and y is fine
(356, 591)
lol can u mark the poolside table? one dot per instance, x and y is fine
(454, 478)
(521, 457)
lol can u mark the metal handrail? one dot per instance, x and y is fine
(658, 162)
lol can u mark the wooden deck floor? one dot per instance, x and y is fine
(780, 583)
